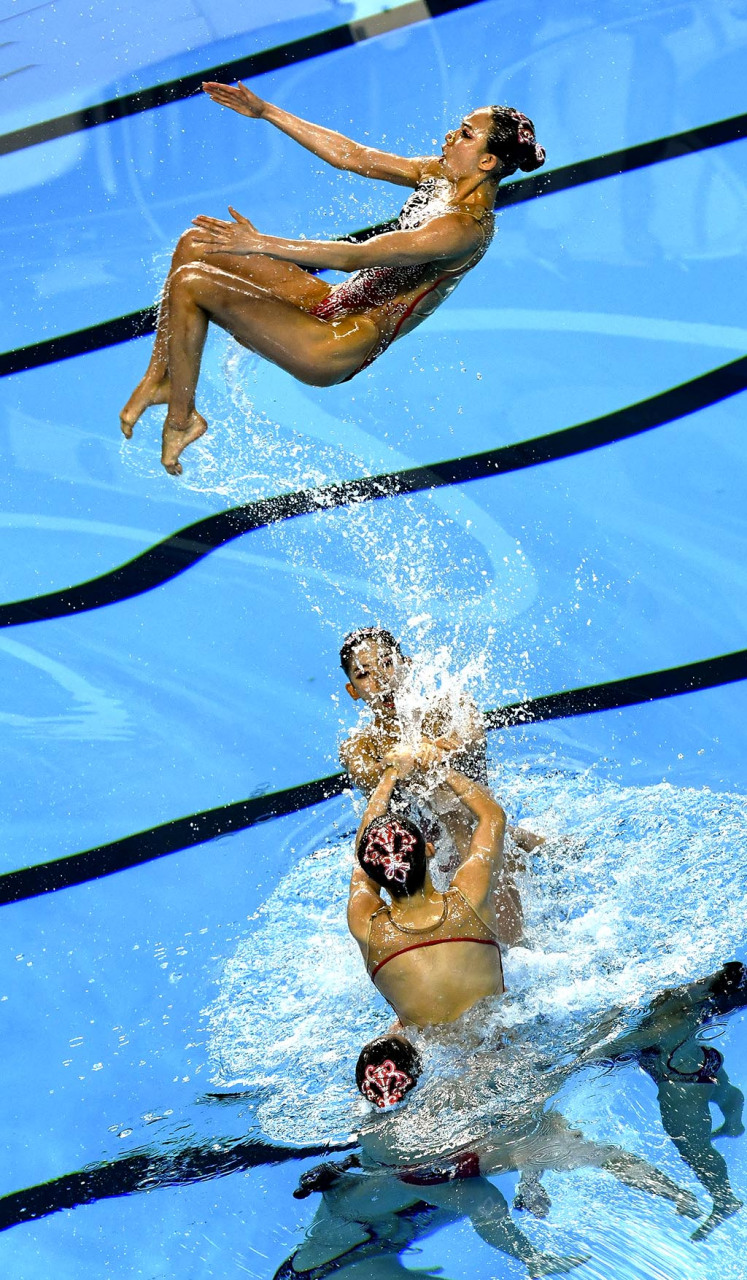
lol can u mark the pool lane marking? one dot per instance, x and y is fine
(144, 1172)
(184, 833)
(138, 324)
(334, 39)
(168, 838)
(171, 557)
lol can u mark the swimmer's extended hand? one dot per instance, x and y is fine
(402, 759)
(218, 236)
(237, 97)
(406, 759)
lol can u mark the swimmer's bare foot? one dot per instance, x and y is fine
(724, 1209)
(731, 1128)
(527, 841)
(176, 438)
(147, 392)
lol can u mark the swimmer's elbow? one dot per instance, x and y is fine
(497, 820)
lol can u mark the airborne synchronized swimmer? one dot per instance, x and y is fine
(261, 289)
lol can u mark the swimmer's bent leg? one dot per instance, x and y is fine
(487, 1210)
(284, 279)
(315, 351)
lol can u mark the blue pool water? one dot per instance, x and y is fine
(127, 999)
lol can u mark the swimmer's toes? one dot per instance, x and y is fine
(177, 437)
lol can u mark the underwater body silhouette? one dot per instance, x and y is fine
(374, 1206)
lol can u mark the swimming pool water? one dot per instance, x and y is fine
(126, 999)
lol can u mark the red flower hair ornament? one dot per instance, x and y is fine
(388, 847)
(385, 1085)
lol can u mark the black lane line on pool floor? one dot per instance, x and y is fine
(254, 64)
(144, 1172)
(138, 324)
(184, 833)
(168, 559)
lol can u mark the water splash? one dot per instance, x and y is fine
(295, 1005)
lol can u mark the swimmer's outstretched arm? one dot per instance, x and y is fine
(364, 895)
(485, 857)
(446, 238)
(334, 148)
(379, 799)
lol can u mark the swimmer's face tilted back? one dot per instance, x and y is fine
(465, 148)
(375, 673)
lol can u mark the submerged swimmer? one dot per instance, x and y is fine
(669, 1043)
(260, 287)
(431, 955)
(448, 732)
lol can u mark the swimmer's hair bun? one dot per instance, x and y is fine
(387, 1069)
(392, 852)
(534, 159)
(512, 139)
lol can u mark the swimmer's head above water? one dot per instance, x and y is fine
(393, 852)
(493, 140)
(387, 1069)
(374, 664)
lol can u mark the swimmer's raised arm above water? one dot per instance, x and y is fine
(259, 288)
(451, 730)
(431, 955)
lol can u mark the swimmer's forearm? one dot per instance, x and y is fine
(379, 801)
(327, 144)
(392, 249)
(476, 798)
(333, 255)
(343, 152)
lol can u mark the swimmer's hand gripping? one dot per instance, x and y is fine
(237, 97)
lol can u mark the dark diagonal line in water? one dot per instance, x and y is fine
(171, 837)
(709, 673)
(144, 1172)
(158, 842)
(626, 160)
(172, 557)
(254, 64)
(109, 333)
(137, 324)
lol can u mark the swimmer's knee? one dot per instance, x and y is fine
(189, 276)
(187, 248)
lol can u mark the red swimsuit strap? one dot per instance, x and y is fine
(433, 942)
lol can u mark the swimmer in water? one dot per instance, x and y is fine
(260, 288)
(449, 732)
(670, 1043)
(431, 955)
(376, 669)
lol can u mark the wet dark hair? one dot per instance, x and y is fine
(511, 138)
(392, 852)
(387, 1069)
(351, 642)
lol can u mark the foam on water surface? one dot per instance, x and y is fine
(636, 889)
